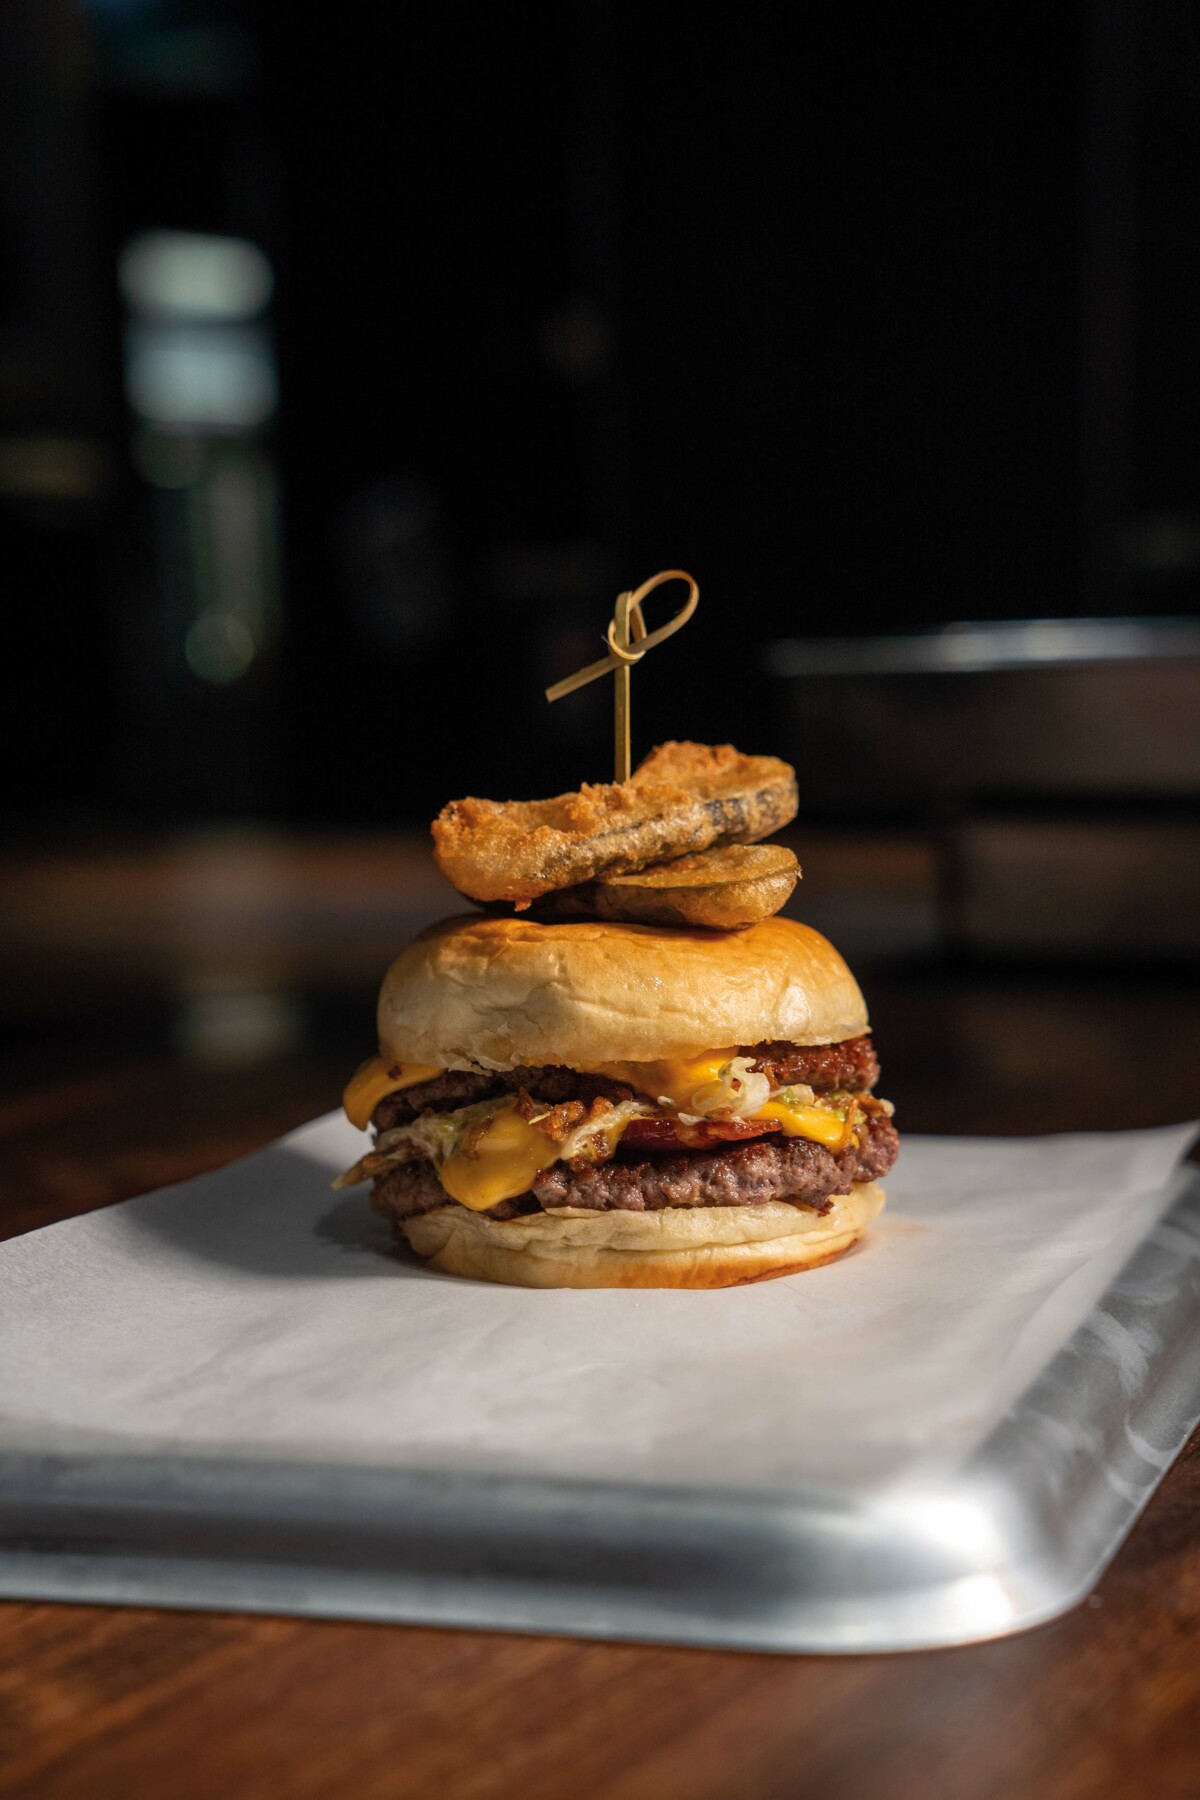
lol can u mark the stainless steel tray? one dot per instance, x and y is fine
(1016, 1535)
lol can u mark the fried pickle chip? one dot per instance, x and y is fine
(725, 889)
(682, 799)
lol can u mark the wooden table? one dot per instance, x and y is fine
(101, 1703)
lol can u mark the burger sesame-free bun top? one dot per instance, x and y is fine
(496, 993)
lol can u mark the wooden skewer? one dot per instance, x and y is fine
(627, 619)
(627, 628)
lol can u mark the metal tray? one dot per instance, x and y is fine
(1017, 1535)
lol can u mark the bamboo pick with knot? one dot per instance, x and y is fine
(626, 629)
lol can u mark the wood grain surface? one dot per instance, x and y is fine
(100, 1703)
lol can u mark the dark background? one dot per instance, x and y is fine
(874, 321)
(880, 320)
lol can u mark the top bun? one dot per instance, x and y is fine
(496, 993)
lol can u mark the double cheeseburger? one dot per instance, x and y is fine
(593, 1104)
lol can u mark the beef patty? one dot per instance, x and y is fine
(774, 1168)
(850, 1066)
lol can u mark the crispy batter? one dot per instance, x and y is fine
(725, 889)
(682, 799)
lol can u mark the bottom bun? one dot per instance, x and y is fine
(679, 1247)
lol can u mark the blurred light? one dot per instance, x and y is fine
(971, 648)
(983, 1603)
(219, 377)
(219, 647)
(960, 1526)
(234, 1027)
(200, 374)
(184, 275)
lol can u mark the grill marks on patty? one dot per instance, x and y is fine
(850, 1066)
(746, 1174)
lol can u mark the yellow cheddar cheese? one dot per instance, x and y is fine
(500, 1156)
(679, 1079)
(675, 1079)
(499, 1162)
(819, 1123)
(375, 1079)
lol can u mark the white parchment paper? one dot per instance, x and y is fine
(254, 1311)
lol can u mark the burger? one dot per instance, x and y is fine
(599, 1104)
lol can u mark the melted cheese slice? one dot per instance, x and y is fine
(502, 1161)
(375, 1079)
(503, 1156)
(675, 1079)
(678, 1079)
(819, 1123)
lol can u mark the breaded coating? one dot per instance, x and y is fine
(682, 799)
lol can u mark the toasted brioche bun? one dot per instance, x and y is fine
(495, 993)
(680, 1247)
